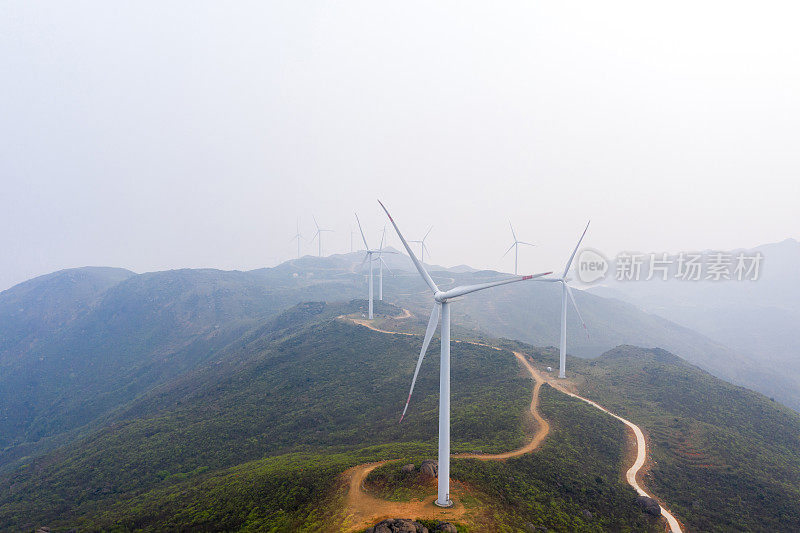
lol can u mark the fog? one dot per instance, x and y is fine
(194, 134)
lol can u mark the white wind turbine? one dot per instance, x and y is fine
(297, 237)
(442, 300)
(516, 244)
(567, 291)
(318, 234)
(422, 246)
(381, 264)
(369, 257)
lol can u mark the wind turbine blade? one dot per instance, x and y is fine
(575, 305)
(427, 233)
(420, 268)
(526, 243)
(426, 248)
(512, 231)
(432, 323)
(384, 264)
(383, 237)
(362, 232)
(569, 263)
(466, 289)
(509, 249)
(315, 222)
(366, 255)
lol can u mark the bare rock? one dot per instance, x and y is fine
(398, 525)
(407, 469)
(446, 527)
(429, 468)
(649, 505)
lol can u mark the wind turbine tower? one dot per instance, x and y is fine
(369, 256)
(441, 303)
(297, 237)
(422, 246)
(566, 292)
(515, 245)
(381, 264)
(318, 234)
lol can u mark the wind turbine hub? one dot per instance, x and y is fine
(439, 296)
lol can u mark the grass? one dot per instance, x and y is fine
(328, 394)
(572, 483)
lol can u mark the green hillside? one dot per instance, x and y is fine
(726, 458)
(193, 398)
(255, 436)
(326, 391)
(77, 345)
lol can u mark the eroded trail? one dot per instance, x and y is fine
(641, 456)
(363, 510)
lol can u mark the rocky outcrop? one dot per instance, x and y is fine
(649, 505)
(429, 468)
(407, 469)
(397, 525)
(403, 525)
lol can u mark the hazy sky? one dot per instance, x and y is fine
(192, 134)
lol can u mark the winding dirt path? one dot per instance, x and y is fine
(363, 509)
(641, 455)
(542, 425)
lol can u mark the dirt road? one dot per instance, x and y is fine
(641, 455)
(363, 509)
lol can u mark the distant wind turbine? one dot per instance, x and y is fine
(442, 301)
(516, 244)
(422, 246)
(381, 264)
(297, 237)
(318, 234)
(566, 290)
(369, 256)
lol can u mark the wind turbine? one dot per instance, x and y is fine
(297, 237)
(441, 299)
(318, 234)
(516, 244)
(566, 290)
(422, 244)
(381, 264)
(369, 257)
